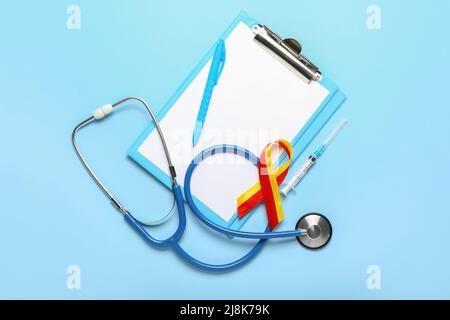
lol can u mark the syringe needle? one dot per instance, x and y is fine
(335, 132)
(308, 164)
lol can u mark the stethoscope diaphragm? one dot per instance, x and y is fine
(316, 231)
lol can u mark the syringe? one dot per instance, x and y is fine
(312, 160)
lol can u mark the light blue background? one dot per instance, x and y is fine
(384, 183)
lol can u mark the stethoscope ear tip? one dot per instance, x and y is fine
(316, 231)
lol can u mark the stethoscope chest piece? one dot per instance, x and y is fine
(316, 231)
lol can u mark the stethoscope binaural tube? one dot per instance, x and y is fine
(101, 113)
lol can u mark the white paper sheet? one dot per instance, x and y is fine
(257, 100)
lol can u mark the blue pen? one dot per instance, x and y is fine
(217, 64)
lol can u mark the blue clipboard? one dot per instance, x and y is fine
(300, 142)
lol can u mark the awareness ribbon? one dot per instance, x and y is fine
(266, 189)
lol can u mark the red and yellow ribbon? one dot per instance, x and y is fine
(266, 189)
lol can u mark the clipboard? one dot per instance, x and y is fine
(297, 72)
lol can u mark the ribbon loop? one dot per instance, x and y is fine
(266, 189)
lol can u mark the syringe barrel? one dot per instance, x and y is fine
(298, 176)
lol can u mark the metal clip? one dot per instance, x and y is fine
(288, 51)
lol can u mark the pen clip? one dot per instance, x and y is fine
(223, 56)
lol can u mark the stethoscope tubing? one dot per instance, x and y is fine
(173, 240)
(140, 227)
(197, 212)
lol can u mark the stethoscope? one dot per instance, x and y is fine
(312, 231)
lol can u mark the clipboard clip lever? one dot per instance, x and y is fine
(288, 51)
